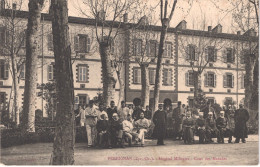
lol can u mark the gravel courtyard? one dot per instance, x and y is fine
(173, 153)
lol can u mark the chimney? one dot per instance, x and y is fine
(238, 32)
(250, 32)
(217, 29)
(14, 6)
(101, 15)
(182, 25)
(125, 18)
(2, 5)
(209, 28)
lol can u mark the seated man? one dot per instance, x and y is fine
(221, 124)
(141, 125)
(211, 128)
(200, 127)
(103, 131)
(116, 131)
(188, 127)
(128, 129)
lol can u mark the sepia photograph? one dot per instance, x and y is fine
(129, 82)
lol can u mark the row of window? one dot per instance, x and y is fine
(192, 54)
(210, 80)
(167, 76)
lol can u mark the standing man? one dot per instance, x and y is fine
(123, 111)
(208, 109)
(102, 111)
(241, 117)
(160, 121)
(111, 110)
(91, 121)
(177, 117)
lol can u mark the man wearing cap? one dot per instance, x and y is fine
(200, 126)
(221, 124)
(177, 117)
(188, 128)
(91, 115)
(241, 117)
(160, 121)
(116, 131)
(211, 128)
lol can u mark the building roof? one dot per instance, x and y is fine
(92, 22)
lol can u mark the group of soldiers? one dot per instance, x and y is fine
(111, 127)
(208, 124)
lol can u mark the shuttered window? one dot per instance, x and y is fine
(191, 52)
(242, 82)
(244, 54)
(152, 48)
(189, 78)
(210, 79)
(168, 50)
(4, 70)
(137, 48)
(211, 54)
(22, 71)
(152, 76)
(82, 43)
(50, 72)
(136, 75)
(228, 80)
(50, 42)
(82, 73)
(167, 77)
(230, 55)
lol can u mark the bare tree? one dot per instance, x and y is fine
(245, 15)
(144, 52)
(106, 32)
(165, 21)
(12, 48)
(63, 146)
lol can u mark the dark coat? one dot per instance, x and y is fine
(103, 125)
(115, 126)
(206, 111)
(241, 117)
(136, 113)
(160, 122)
(210, 124)
(200, 122)
(148, 114)
(110, 112)
(221, 122)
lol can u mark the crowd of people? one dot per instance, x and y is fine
(110, 127)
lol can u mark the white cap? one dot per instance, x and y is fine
(201, 113)
(222, 112)
(115, 114)
(210, 113)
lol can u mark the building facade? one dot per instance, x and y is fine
(222, 78)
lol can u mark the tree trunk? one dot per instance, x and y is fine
(64, 141)
(249, 78)
(122, 88)
(15, 108)
(197, 83)
(165, 24)
(145, 92)
(107, 72)
(32, 52)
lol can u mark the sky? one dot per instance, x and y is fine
(196, 13)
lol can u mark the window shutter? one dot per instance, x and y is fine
(164, 77)
(243, 82)
(88, 44)
(48, 72)
(50, 42)
(76, 43)
(242, 57)
(215, 55)
(187, 78)
(224, 54)
(206, 79)
(233, 55)
(6, 71)
(233, 81)
(148, 49)
(139, 75)
(54, 71)
(187, 50)
(206, 54)
(225, 81)
(215, 80)
(196, 53)
(170, 77)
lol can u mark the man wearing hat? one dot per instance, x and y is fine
(221, 124)
(200, 127)
(177, 121)
(160, 121)
(211, 128)
(91, 115)
(241, 117)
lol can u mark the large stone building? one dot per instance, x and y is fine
(222, 78)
